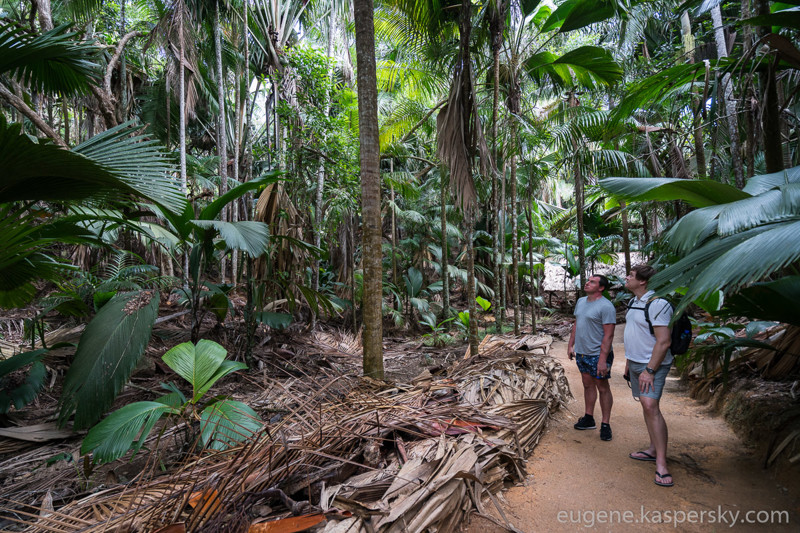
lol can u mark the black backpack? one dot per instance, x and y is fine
(681, 328)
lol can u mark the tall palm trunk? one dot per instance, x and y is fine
(771, 120)
(514, 245)
(370, 187)
(222, 134)
(445, 250)
(318, 201)
(534, 285)
(727, 99)
(499, 233)
(473, 308)
(579, 203)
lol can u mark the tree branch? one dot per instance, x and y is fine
(115, 58)
(421, 122)
(20, 105)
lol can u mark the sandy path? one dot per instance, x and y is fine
(574, 476)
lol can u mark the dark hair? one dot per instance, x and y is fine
(643, 272)
(601, 280)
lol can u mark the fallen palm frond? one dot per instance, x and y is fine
(368, 455)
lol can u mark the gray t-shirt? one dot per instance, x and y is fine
(589, 319)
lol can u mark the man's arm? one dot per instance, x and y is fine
(605, 349)
(663, 340)
(571, 345)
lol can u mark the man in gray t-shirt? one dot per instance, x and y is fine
(590, 345)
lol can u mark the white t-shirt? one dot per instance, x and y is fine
(639, 342)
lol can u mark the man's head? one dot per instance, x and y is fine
(639, 276)
(596, 283)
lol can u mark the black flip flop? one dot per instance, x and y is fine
(659, 477)
(647, 456)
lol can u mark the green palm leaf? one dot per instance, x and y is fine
(110, 166)
(249, 236)
(226, 423)
(107, 353)
(575, 14)
(21, 394)
(138, 162)
(56, 61)
(733, 262)
(699, 193)
(586, 66)
(123, 430)
(759, 184)
(201, 365)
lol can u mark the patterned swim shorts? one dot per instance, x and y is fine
(587, 364)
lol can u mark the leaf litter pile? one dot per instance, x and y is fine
(339, 453)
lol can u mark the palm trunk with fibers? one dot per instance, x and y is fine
(370, 187)
(222, 134)
(727, 98)
(445, 251)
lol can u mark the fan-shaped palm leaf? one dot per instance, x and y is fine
(248, 236)
(226, 423)
(56, 61)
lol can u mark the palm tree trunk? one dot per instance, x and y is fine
(123, 69)
(514, 245)
(473, 309)
(237, 141)
(626, 237)
(222, 134)
(497, 41)
(771, 120)
(394, 227)
(65, 113)
(534, 286)
(370, 187)
(182, 134)
(445, 251)
(726, 95)
(45, 14)
(318, 204)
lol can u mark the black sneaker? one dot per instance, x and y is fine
(585, 422)
(605, 431)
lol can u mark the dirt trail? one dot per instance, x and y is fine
(573, 476)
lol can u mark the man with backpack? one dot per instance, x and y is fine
(590, 345)
(648, 360)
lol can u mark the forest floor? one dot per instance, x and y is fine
(578, 482)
